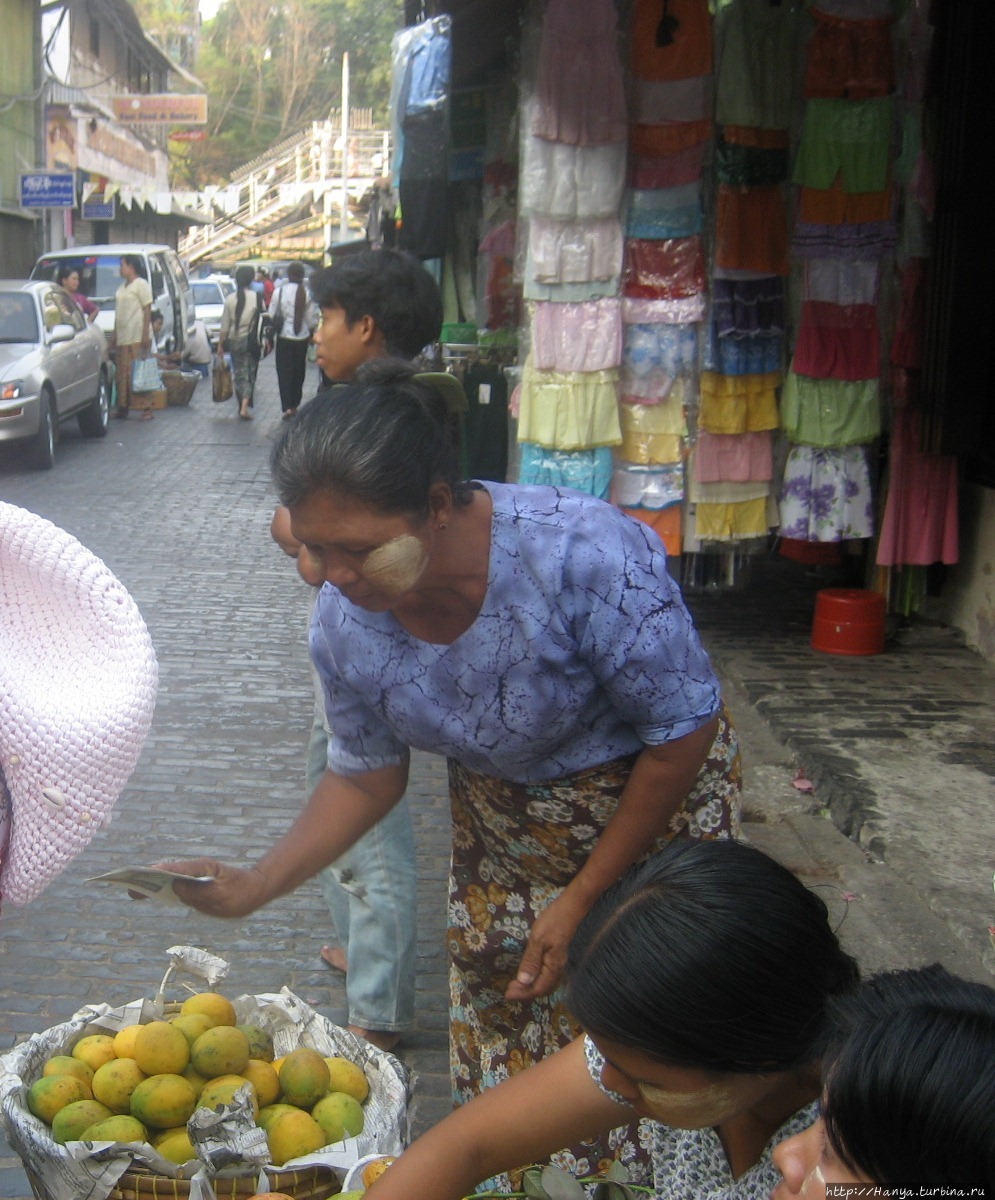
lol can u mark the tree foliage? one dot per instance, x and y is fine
(271, 68)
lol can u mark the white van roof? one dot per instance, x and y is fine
(113, 248)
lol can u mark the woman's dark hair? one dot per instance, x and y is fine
(382, 440)
(709, 955)
(910, 1080)
(64, 271)
(295, 274)
(135, 262)
(244, 278)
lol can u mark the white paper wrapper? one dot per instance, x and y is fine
(228, 1142)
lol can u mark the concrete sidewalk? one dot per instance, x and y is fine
(899, 748)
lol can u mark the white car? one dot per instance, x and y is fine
(53, 365)
(209, 300)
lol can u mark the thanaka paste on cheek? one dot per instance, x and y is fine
(690, 1110)
(397, 565)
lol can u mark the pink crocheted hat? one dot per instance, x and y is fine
(77, 689)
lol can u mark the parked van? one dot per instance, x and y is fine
(100, 276)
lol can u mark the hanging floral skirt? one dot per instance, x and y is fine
(515, 847)
(826, 495)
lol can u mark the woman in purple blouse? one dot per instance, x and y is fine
(534, 637)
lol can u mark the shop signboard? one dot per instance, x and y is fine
(98, 208)
(48, 189)
(162, 109)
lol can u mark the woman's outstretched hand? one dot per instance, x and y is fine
(541, 969)
(231, 892)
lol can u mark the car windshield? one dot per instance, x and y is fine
(207, 293)
(99, 274)
(18, 319)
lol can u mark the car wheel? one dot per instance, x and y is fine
(43, 443)
(93, 420)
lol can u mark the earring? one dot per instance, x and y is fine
(441, 525)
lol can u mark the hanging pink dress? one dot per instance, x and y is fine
(580, 99)
(920, 515)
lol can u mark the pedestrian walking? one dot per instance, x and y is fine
(241, 310)
(295, 318)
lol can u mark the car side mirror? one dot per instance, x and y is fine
(62, 333)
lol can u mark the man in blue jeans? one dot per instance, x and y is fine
(374, 303)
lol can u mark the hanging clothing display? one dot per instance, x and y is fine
(848, 59)
(571, 182)
(672, 41)
(668, 170)
(574, 252)
(577, 337)
(826, 495)
(756, 41)
(849, 138)
(653, 487)
(485, 424)
(919, 526)
(665, 212)
(729, 303)
(739, 458)
(579, 96)
(738, 403)
(584, 470)
(670, 269)
(421, 70)
(569, 410)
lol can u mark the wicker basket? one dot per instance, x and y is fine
(179, 386)
(311, 1183)
(139, 1181)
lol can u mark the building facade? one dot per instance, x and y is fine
(19, 130)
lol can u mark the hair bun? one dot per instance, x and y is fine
(385, 370)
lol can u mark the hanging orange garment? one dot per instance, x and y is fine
(834, 206)
(684, 27)
(848, 59)
(751, 229)
(759, 139)
(657, 141)
(666, 522)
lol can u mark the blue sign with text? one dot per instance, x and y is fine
(48, 189)
(97, 208)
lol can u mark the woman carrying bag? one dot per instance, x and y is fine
(240, 313)
(295, 318)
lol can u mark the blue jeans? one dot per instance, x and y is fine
(371, 894)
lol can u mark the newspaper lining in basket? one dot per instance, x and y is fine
(228, 1141)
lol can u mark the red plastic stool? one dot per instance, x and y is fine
(848, 621)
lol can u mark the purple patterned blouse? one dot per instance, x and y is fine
(582, 652)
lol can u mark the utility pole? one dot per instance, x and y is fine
(344, 213)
